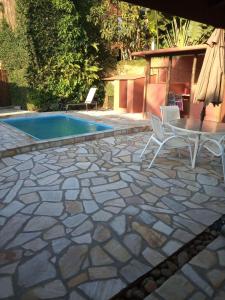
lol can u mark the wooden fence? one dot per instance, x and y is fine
(4, 89)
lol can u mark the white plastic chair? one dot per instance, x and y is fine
(215, 147)
(89, 100)
(168, 114)
(171, 142)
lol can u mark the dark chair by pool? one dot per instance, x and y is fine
(89, 100)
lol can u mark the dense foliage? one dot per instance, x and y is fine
(133, 28)
(59, 55)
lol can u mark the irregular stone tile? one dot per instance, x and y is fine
(113, 209)
(11, 228)
(71, 184)
(75, 296)
(29, 209)
(118, 224)
(83, 239)
(74, 207)
(198, 296)
(51, 290)
(50, 209)
(216, 278)
(75, 220)
(22, 238)
(98, 181)
(146, 218)
(11, 209)
(149, 198)
(36, 270)
(102, 216)
(153, 257)
(186, 175)
(71, 194)
(171, 247)
(102, 290)
(117, 202)
(134, 200)
(85, 227)
(13, 192)
(74, 281)
(126, 177)
(182, 291)
(158, 192)
(85, 194)
(133, 243)
(35, 245)
(101, 233)
(212, 191)
(221, 255)
(55, 232)
(39, 223)
(205, 259)
(197, 280)
(134, 270)
(174, 205)
(9, 269)
(25, 166)
(99, 257)
(48, 179)
(152, 237)
(83, 165)
(115, 249)
(55, 196)
(109, 187)
(60, 244)
(105, 196)
(131, 210)
(183, 236)
(30, 198)
(72, 260)
(23, 157)
(203, 216)
(102, 272)
(90, 206)
(162, 227)
(6, 287)
(218, 243)
(196, 228)
(207, 180)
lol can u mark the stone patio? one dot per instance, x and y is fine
(83, 221)
(201, 279)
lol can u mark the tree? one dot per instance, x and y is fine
(63, 60)
(181, 32)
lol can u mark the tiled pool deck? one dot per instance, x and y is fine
(13, 141)
(82, 221)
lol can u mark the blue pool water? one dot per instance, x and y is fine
(55, 126)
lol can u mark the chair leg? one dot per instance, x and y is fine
(96, 106)
(190, 150)
(156, 153)
(223, 164)
(146, 147)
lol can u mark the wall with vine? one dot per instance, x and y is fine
(51, 55)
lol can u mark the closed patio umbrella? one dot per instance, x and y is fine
(210, 85)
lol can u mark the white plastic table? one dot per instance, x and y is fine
(194, 128)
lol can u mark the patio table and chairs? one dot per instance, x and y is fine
(208, 135)
(164, 141)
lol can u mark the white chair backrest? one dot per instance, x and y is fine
(157, 127)
(169, 113)
(90, 95)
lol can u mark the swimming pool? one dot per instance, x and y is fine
(55, 126)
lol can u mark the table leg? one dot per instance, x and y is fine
(195, 151)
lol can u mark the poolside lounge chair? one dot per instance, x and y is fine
(89, 100)
(170, 142)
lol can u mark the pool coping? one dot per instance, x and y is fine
(35, 145)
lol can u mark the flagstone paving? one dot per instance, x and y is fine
(83, 221)
(203, 278)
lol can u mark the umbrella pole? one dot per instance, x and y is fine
(202, 115)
